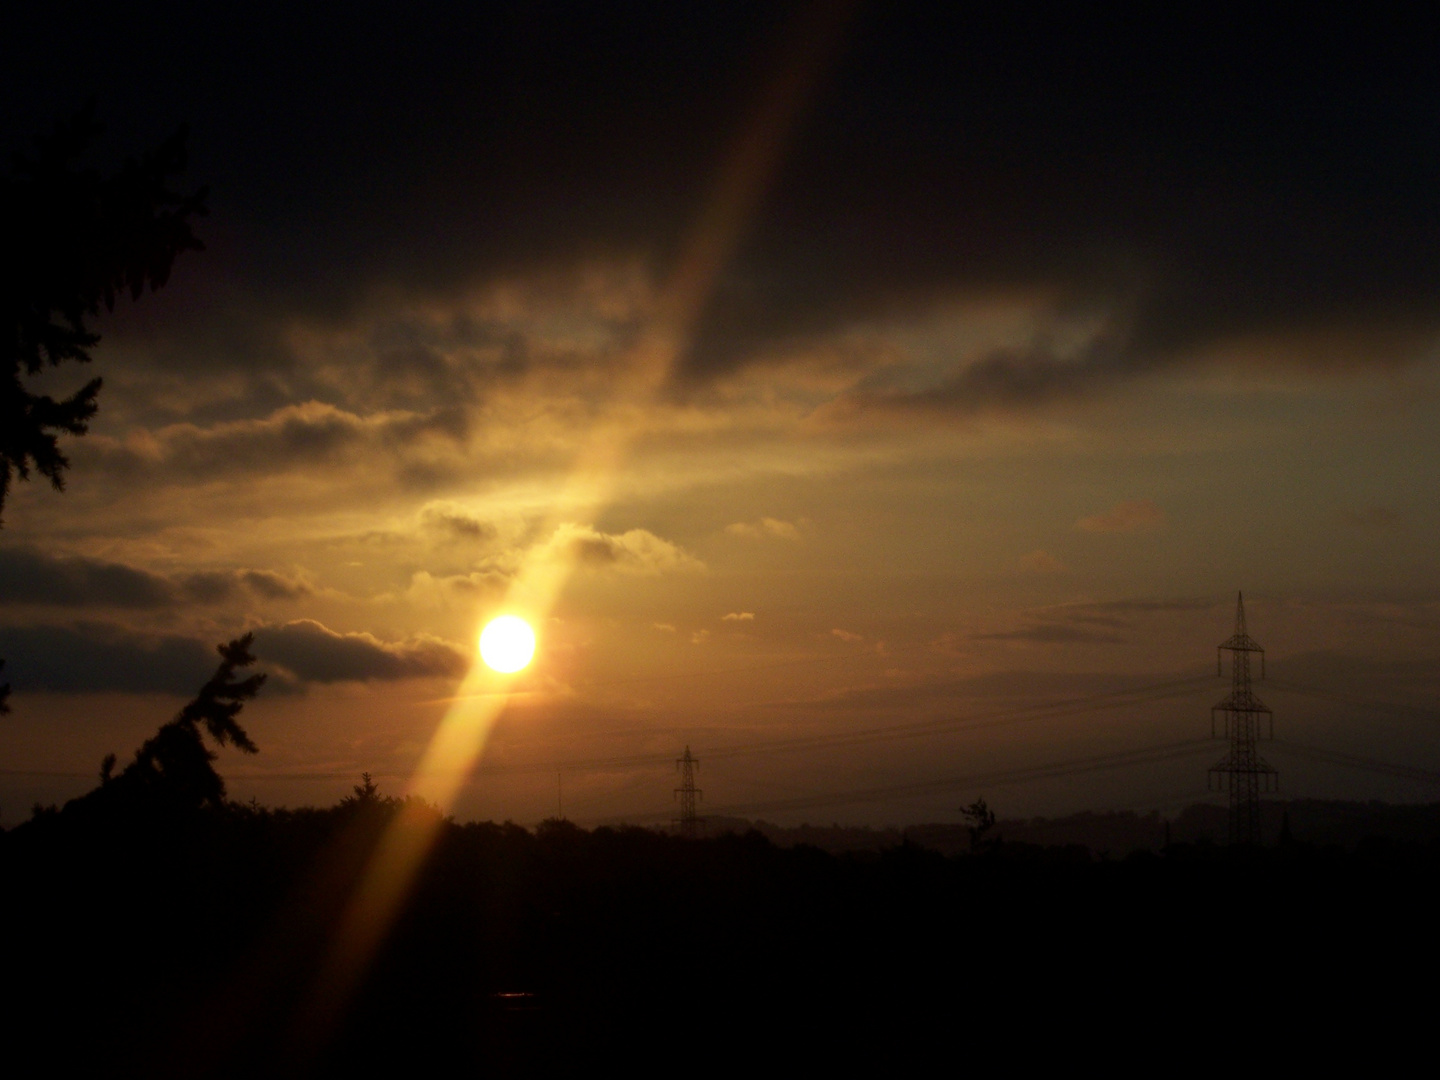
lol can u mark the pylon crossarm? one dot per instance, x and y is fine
(1242, 703)
(1242, 643)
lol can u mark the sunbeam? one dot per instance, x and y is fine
(459, 742)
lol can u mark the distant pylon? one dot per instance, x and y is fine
(687, 793)
(1247, 720)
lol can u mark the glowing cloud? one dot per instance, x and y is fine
(765, 527)
(636, 551)
(1136, 515)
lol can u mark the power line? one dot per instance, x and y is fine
(1070, 767)
(1420, 712)
(1354, 761)
(1120, 698)
(992, 718)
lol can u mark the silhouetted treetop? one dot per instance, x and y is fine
(980, 820)
(74, 239)
(221, 699)
(174, 767)
(366, 791)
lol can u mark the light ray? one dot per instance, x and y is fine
(456, 748)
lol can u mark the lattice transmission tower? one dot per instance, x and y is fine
(1247, 720)
(687, 793)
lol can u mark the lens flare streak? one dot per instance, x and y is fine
(460, 739)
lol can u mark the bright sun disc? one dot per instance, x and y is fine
(507, 643)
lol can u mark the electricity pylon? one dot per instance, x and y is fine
(687, 793)
(1247, 720)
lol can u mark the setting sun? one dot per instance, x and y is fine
(507, 643)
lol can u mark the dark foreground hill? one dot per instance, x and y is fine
(187, 944)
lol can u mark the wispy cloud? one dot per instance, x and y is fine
(636, 551)
(766, 527)
(1041, 562)
(1136, 515)
(451, 521)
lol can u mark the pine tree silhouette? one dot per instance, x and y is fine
(174, 768)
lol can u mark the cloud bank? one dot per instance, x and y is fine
(32, 578)
(315, 653)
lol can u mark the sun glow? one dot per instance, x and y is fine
(507, 643)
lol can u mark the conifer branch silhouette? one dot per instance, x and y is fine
(174, 766)
(74, 240)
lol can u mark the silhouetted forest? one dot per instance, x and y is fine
(1117, 833)
(157, 928)
(180, 937)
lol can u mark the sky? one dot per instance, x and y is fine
(886, 403)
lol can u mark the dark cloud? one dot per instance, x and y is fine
(29, 577)
(1003, 379)
(273, 586)
(1195, 181)
(93, 657)
(209, 586)
(1202, 170)
(453, 523)
(315, 653)
(419, 361)
(295, 438)
(1054, 634)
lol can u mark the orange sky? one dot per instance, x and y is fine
(849, 462)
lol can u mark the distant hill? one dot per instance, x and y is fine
(1314, 821)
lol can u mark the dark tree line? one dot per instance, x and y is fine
(186, 945)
